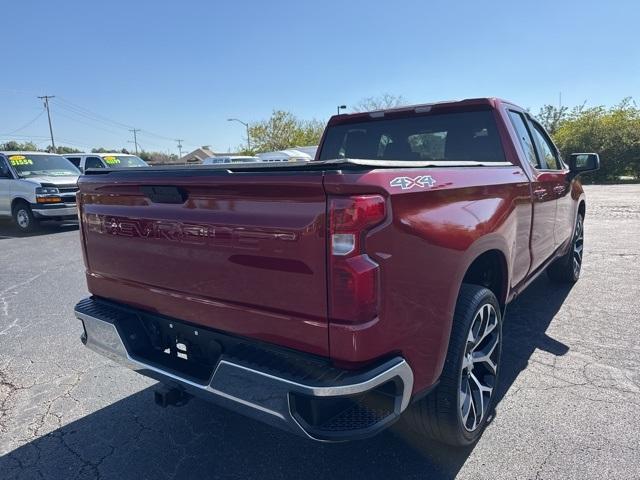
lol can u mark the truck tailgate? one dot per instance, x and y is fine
(241, 252)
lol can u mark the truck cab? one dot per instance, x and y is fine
(105, 160)
(37, 186)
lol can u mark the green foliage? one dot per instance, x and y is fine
(62, 150)
(614, 133)
(283, 130)
(551, 116)
(157, 157)
(16, 146)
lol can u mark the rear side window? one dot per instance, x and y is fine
(74, 160)
(525, 138)
(93, 162)
(461, 136)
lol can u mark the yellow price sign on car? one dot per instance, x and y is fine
(111, 160)
(16, 160)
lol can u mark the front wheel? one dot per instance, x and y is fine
(23, 218)
(567, 268)
(457, 411)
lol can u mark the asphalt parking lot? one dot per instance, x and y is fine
(569, 398)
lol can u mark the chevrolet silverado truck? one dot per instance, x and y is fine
(37, 186)
(331, 297)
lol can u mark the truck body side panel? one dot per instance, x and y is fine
(424, 249)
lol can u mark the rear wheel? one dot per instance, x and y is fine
(23, 218)
(567, 268)
(456, 412)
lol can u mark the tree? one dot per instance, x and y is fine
(283, 130)
(613, 132)
(61, 150)
(157, 157)
(12, 145)
(550, 117)
(381, 102)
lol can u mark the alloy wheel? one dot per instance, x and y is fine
(479, 369)
(578, 245)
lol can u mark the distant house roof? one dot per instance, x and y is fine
(197, 156)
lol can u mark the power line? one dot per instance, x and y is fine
(46, 105)
(26, 124)
(113, 132)
(85, 112)
(84, 116)
(88, 112)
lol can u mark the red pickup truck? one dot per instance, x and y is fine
(329, 298)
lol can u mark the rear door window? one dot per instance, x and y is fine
(457, 136)
(74, 160)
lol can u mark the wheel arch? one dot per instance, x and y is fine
(489, 269)
(582, 208)
(17, 200)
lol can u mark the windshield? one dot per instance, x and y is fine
(32, 165)
(461, 136)
(124, 161)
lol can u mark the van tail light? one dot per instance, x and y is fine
(353, 276)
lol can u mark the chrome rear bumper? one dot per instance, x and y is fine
(264, 392)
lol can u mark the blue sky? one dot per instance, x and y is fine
(180, 69)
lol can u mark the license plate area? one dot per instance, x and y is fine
(177, 347)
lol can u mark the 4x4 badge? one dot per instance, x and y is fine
(407, 182)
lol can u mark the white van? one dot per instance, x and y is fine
(37, 186)
(105, 160)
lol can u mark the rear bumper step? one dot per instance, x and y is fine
(300, 393)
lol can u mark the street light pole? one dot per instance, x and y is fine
(246, 126)
(341, 107)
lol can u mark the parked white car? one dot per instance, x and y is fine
(288, 155)
(218, 159)
(105, 160)
(35, 186)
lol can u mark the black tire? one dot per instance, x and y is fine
(567, 268)
(439, 415)
(23, 218)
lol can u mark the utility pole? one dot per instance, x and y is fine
(179, 146)
(46, 105)
(135, 137)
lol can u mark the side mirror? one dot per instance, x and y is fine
(584, 162)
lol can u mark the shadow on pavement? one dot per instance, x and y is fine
(8, 230)
(133, 439)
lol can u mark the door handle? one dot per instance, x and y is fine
(540, 193)
(559, 189)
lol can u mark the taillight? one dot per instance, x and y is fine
(354, 277)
